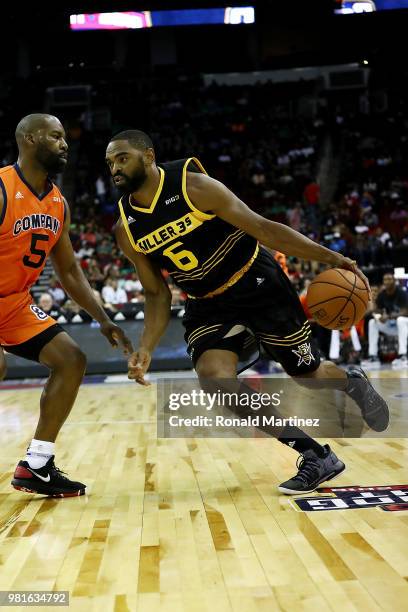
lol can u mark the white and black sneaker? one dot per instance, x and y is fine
(374, 408)
(313, 470)
(48, 480)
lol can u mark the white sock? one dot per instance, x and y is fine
(39, 452)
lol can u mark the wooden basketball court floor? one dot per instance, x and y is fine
(193, 524)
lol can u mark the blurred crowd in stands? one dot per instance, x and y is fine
(260, 143)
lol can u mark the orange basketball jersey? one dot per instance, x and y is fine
(30, 225)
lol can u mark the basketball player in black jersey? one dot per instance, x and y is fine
(175, 217)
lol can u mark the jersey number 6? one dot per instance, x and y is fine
(184, 260)
(36, 263)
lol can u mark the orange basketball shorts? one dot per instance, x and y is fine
(21, 319)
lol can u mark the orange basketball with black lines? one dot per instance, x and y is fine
(337, 299)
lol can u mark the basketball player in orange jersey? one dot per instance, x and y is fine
(34, 224)
(175, 217)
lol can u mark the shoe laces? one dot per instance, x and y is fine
(59, 472)
(308, 468)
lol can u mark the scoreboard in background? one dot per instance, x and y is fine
(349, 7)
(133, 20)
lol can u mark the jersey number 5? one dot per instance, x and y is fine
(184, 260)
(36, 263)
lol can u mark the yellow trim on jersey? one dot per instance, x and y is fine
(200, 332)
(215, 258)
(305, 327)
(155, 199)
(231, 281)
(203, 333)
(126, 226)
(301, 336)
(198, 213)
(250, 340)
(214, 263)
(282, 342)
(273, 343)
(196, 330)
(160, 236)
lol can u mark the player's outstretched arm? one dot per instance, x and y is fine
(157, 306)
(209, 195)
(76, 285)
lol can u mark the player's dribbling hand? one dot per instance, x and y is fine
(138, 364)
(350, 264)
(116, 336)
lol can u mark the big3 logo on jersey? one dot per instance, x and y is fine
(40, 314)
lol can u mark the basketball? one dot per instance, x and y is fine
(337, 299)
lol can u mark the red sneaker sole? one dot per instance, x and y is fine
(73, 494)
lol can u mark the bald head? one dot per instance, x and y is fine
(41, 138)
(33, 123)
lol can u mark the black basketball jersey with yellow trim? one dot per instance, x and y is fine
(203, 254)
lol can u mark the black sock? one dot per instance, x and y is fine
(289, 435)
(300, 441)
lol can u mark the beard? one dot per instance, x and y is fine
(52, 162)
(130, 184)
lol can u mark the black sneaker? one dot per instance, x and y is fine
(48, 480)
(313, 470)
(374, 408)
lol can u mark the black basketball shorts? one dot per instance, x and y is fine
(31, 349)
(266, 307)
